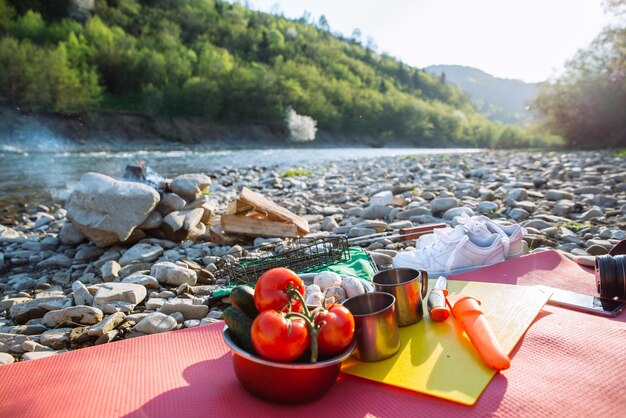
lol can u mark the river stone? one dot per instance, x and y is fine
(563, 207)
(56, 338)
(185, 307)
(88, 253)
(36, 355)
(6, 358)
(190, 186)
(107, 324)
(142, 253)
(414, 211)
(84, 315)
(153, 221)
(110, 270)
(107, 337)
(1, 260)
(33, 346)
(441, 204)
(119, 297)
(590, 214)
(597, 250)
(450, 214)
(70, 235)
(516, 195)
(171, 202)
(8, 303)
(58, 260)
(588, 190)
(487, 206)
(107, 210)
(12, 342)
(557, 195)
(518, 214)
(172, 274)
(374, 212)
(81, 294)
(148, 282)
(36, 308)
(156, 322)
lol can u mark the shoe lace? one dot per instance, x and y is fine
(473, 224)
(439, 246)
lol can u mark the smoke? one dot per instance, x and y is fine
(301, 128)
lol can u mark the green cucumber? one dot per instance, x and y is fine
(240, 326)
(242, 298)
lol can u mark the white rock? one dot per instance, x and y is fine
(187, 309)
(171, 202)
(143, 253)
(148, 282)
(6, 358)
(36, 355)
(107, 210)
(119, 297)
(155, 323)
(107, 324)
(84, 315)
(172, 274)
(81, 294)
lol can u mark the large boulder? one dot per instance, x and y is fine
(107, 210)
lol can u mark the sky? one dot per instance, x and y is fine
(521, 39)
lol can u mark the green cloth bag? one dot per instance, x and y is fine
(359, 265)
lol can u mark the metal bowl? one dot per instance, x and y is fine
(284, 382)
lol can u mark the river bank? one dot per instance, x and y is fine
(573, 202)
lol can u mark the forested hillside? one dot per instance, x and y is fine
(500, 99)
(223, 63)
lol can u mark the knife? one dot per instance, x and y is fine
(437, 306)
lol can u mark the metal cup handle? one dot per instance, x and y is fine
(424, 283)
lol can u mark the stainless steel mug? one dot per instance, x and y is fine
(375, 325)
(409, 287)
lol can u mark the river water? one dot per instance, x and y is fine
(42, 177)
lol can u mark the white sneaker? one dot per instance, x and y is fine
(481, 225)
(454, 252)
(511, 235)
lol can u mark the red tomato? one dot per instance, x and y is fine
(270, 290)
(278, 338)
(336, 330)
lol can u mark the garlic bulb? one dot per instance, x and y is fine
(315, 299)
(352, 286)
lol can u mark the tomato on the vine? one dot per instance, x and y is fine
(278, 338)
(270, 291)
(336, 329)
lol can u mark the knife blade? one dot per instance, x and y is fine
(437, 306)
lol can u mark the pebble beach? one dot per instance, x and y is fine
(61, 290)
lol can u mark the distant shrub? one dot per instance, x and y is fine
(297, 172)
(301, 128)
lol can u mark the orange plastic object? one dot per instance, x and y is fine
(467, 311)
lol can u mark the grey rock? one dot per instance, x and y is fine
(83, 315)
(516, 195)
(452, 213)
(81, 294)
(12, 342)
(186, 308)
(414, 211)
(518, 214)
(590, 214)
(32, 346)
(155, 303)
(441, 204)
(70, 235)
(190, 186)
(171, 202)
(36, 308)
(88, 253)
(597, 250)
(537, 224)
(375, 212)
(119, 297)
(153, 221)
(107, 210)
(359, 232)
(172, 274)
(487, 207)
(142, 253)
(107, 324)
(588, 190)
(563, 207)
(557, 195)
(110, 270)
(329, 224)
(156, 323)
(59, 260)
(107, 337)
(56, 338)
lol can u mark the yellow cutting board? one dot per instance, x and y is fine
(437, 358)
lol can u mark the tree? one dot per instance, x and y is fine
(323, 24)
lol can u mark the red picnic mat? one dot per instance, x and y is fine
(567, 364)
